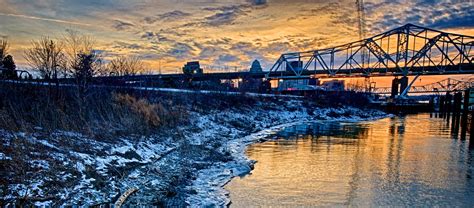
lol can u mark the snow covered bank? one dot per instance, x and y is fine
(209, 184)
(185, 165)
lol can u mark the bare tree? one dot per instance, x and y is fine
(76, 44)
(4, 45)
(3, 52)
(47, 56)
(124, 66)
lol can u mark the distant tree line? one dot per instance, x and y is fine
(73, 55)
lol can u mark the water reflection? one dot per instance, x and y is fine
(407, 161)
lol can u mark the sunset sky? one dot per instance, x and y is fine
(167, 33)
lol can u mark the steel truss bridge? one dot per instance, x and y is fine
(409, 50)
(446, 85)
(403, 51)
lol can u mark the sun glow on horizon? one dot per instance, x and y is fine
(223, 36)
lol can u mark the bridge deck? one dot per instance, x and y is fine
(378, 72)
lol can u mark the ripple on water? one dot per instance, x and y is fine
(400, 161)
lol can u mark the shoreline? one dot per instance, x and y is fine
(214, 179)
(186, 165)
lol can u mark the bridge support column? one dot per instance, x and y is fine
(395, 83)
(403, 83)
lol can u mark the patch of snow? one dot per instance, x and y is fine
(40, 164)
(4, 157)
(46, 143)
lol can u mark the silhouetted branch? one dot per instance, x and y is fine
(47, 56)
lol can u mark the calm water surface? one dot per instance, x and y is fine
(401, 161)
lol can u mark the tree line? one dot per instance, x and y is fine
(73, 55)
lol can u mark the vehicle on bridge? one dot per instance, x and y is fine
(192, 67)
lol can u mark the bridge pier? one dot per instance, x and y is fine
(403, 83)
(442, 106)
(395, 83)
(398, 86)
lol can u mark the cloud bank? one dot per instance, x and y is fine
(169, 33)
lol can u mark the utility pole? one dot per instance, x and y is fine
(159, 65)
(361, 26)
(361, 18)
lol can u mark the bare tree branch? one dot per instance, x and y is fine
(124, 66)
(47, 56)
(4, 45)
(76, 44)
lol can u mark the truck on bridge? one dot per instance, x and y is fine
(192, 67)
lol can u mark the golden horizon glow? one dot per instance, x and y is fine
(222, 35)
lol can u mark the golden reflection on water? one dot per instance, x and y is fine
(402, 161)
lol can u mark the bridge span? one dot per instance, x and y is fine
(445, 85)
(409, 50)
(353, 73)
(403, 51)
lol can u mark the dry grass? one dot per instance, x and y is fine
(148, 112)
(27, 108)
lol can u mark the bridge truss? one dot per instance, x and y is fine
(446, 85)
(407, 50)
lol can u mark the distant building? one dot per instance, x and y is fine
(334, 85)
(192, 67)
(256, 67)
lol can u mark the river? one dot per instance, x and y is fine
(411, 160)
